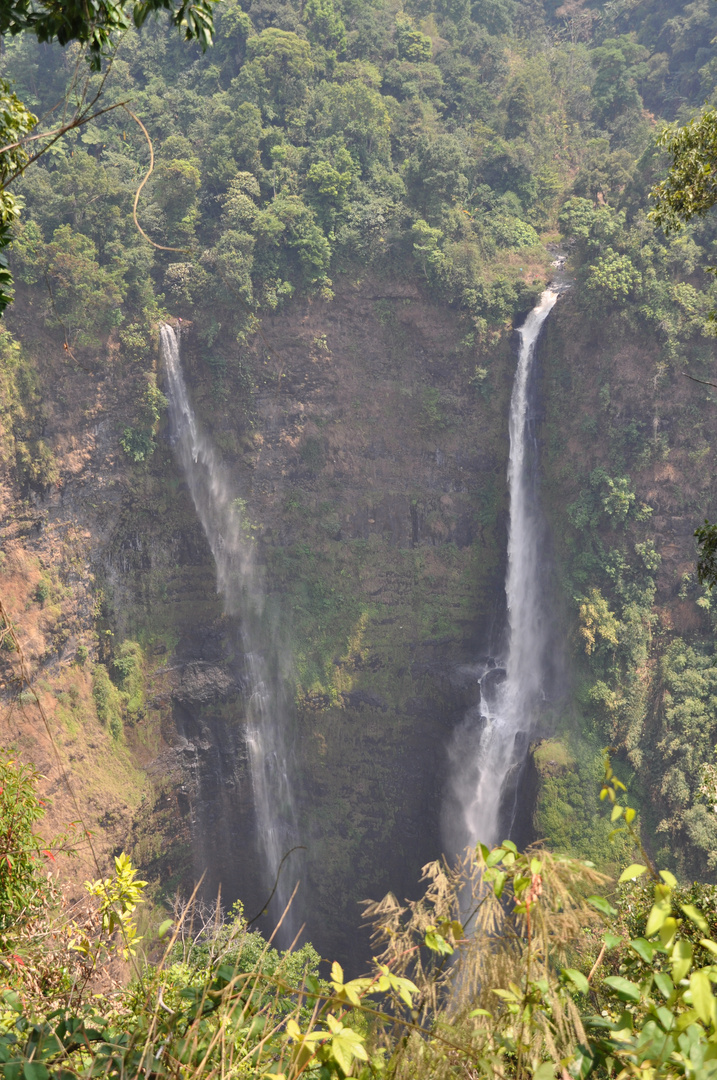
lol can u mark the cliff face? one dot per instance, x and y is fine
(367, 438)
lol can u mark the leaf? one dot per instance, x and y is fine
(346, 1045)
(695, 916)
(707, 943)
(437, 943)
(625, 990)
(657, 916)
(611, 940)
(644, 949)
(337, 973)
(292, 1029)
(480, 1012)
(635, 870)
(702, 998)
(602, 905)
(664, 984)
(165, 927)
(616, 812)
(668, 931)
(681, 960)
(630, 815)
(669, 878)
(577, 979)
(35, 1070)
(499, 883)
(546, 1071)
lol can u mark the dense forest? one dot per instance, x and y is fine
(344, 208)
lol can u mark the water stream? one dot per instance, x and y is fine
(489, 747)
(239, 583)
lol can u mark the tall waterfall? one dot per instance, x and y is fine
(239, 583)
(489, 747)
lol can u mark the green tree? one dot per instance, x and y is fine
(326, 27)
(619, 64)
(86, 297)
(277, 74)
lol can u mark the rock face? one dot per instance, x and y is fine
(367, 439)
(203, 684)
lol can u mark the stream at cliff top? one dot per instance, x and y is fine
(239, 583)
(489, 748)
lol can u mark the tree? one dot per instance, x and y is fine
(690, 187)
(94, 24)
(690, 190)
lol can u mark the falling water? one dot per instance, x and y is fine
(239, 583)
(490, 745)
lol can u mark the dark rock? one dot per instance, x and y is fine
(203, 684)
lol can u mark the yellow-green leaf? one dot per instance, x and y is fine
(337, 973)
(695, 916)
(656, 918)
(635, 870)
(681, 960)
(701, 994)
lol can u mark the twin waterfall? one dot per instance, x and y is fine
(222, 516)
(490, 746)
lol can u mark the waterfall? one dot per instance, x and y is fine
(489, 747)
(239, 583)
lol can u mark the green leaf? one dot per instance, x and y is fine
(644, 949)
(695, 916)
(165, 927)
(669, 878)
(437, 943)
(35, 1070)
(702, 998)
(625, 990)
(546, 1071)
(635, 870)
(499, 883)
(616, 812)
(658, 913)
(337, 972)
(611, 940)
(664, 984)
(577, 979)
(602, 905)
(681, 960)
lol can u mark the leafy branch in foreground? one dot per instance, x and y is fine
(499, 970)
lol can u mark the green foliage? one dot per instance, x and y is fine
(119, 897)
(613, 276)
(108, 700)
(128, 671)
(689, 188)
(706, 536)
(138, 442)
(24, 855)
(16, 122)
